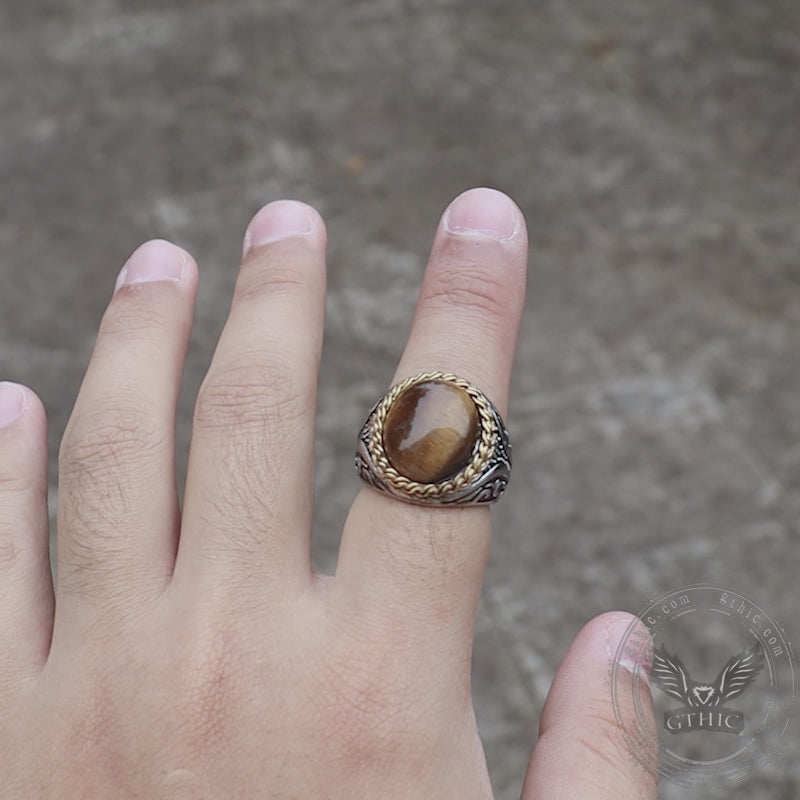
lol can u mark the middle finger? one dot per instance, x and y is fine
(249, 487)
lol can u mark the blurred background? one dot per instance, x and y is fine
(653, 147)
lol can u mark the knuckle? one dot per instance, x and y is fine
(98, 455)
(133, 314)
(109, 438)
(251, 394)
(470, 287)
(272, 276)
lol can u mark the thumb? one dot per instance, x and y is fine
(587, 747)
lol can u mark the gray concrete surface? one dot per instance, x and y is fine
(654, 149)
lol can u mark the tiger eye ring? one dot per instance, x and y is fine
(435, 439)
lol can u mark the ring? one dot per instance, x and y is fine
(435, 439)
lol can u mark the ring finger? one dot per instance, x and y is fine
(118, 508)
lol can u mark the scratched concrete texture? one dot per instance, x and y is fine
(654, 150)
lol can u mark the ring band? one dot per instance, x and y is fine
(435, 439)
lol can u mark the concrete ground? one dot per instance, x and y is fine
(654, 149)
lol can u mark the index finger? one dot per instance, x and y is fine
(404, 562)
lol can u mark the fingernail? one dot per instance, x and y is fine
(628, 643)
(12, 403)
(482, 212)
(278, 220)
(155, 260)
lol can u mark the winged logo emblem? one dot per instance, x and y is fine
(672, 677)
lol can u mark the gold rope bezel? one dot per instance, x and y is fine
(483, 449)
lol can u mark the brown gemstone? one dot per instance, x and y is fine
(430, 431)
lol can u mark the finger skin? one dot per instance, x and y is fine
(26, 589)
(421, 568)
(249, 496)
(118, 508)
(581, 751)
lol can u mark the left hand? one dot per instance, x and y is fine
(193, 653)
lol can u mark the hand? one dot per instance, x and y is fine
(192, 653)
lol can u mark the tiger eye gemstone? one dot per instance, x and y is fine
(430, 431)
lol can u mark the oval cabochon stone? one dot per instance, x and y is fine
(430, 431)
